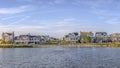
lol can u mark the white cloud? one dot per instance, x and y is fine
(56, 29)
(12, 17)
(18, 21)
(65, 22)
(113, 21)
(93, 3)
(58, 1)
(21, 28)
(28, 0)
(69, 19)
(43, 2)
(14, 10)
(100, 8)
(31, 27)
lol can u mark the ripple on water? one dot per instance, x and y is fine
(60, 58)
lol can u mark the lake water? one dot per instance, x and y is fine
(58, 57)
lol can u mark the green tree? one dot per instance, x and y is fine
(3, 40)
(86, 39)
(10, 41)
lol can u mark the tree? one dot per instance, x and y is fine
(10, 41)
(3, 40)
(63, 41)
(86, 39)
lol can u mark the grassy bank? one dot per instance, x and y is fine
(15, 46)
(56, 45)
(92, 45)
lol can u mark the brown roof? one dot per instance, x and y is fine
(85, 33)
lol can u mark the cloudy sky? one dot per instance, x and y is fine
(59, 17)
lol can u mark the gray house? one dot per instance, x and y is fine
(27, 39)
(101, 37)
(72, 37)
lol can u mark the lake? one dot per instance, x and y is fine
(58, 57)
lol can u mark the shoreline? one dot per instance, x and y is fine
(64, 46)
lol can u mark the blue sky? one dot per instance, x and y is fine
(59, 17)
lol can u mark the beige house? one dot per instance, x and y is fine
(83, 34)
(115, 37)
(8, 37)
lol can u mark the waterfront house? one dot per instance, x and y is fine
(115, 37)
(28, 39)
(101, 37)
(7, 38)
(52, 39)
(45, 38)
(71, 38)
(86, 37)
(32, 39)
